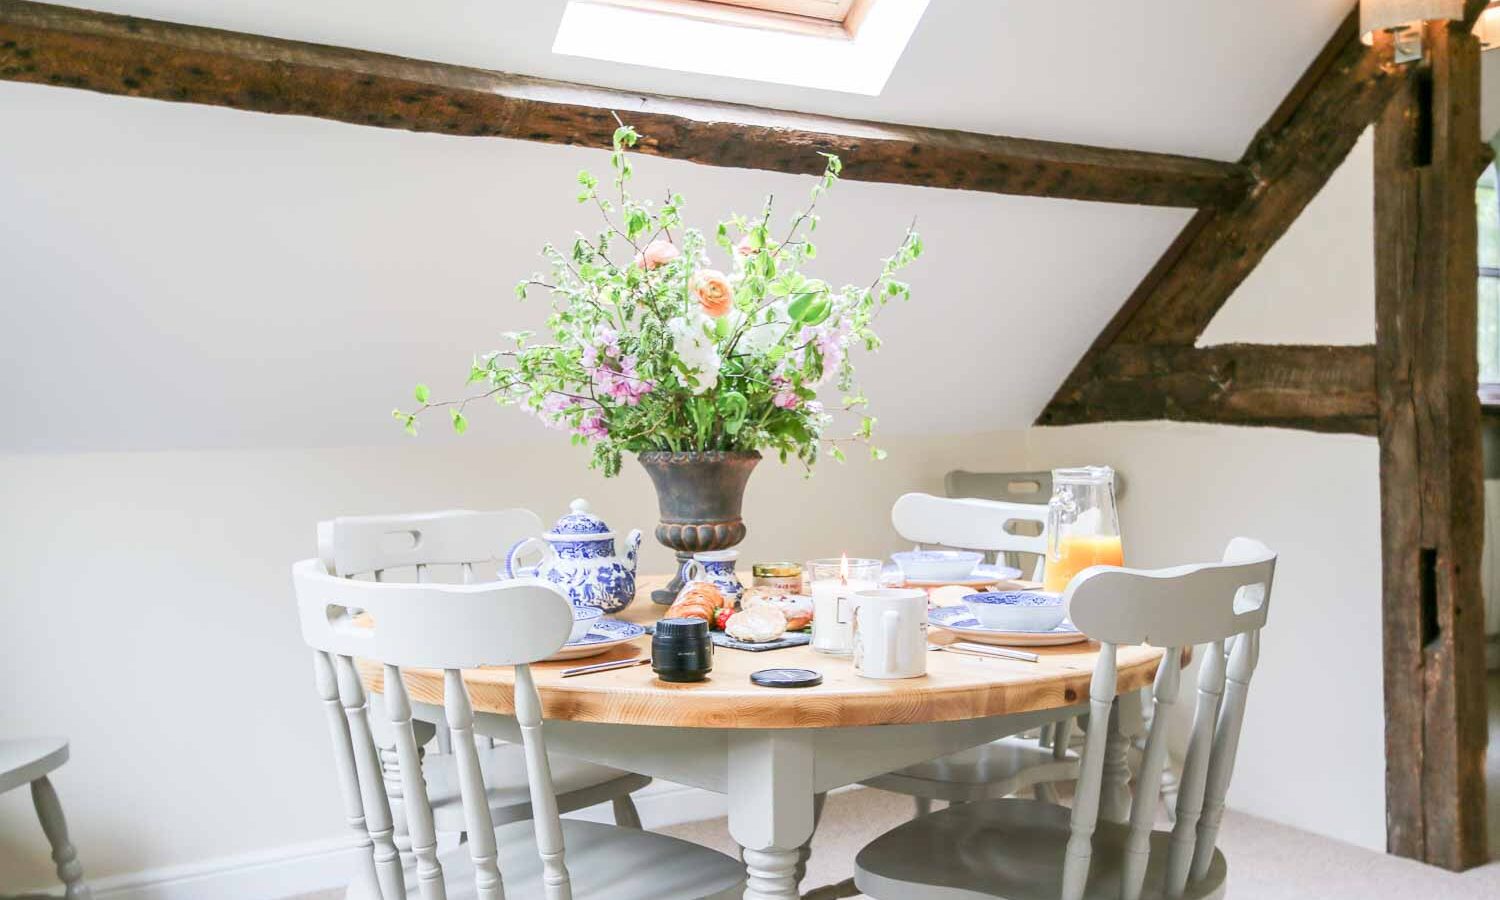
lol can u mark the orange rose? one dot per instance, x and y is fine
(713, 292)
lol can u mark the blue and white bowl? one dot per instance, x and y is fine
(584, 619)
(1017, 610)
(937, 565)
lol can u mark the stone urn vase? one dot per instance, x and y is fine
(699, 494)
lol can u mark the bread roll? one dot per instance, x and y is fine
(756, 626)
(797, 608)
(697, 600)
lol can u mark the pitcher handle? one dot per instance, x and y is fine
(514, 571)
(692, 570)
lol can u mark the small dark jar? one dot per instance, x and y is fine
(681, 650)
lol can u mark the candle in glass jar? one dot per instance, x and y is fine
(833, 583)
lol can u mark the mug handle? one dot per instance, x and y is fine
(514, 571)
(692, 570)
(890, 625)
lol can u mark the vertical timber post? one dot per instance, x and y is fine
(1431, 493)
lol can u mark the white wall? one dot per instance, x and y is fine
(1312, 754)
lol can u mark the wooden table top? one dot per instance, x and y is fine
(955, 687)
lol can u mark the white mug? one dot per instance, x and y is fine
(890, 633)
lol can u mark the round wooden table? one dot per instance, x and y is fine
(772, 750)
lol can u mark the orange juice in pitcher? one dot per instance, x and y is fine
(1082, 526)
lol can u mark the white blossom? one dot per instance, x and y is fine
(766, 331)
(692, 339)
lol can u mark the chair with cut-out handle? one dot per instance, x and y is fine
(1024, 850)
(453, 627)
(466, 546)
(1011, 764)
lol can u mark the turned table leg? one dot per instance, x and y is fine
(49, 811)
(771, 808)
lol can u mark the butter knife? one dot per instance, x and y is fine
(604, 666)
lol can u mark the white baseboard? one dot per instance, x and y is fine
(288, 871)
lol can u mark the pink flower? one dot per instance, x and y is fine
(657, 253)
(554, 405)
(592, 426)
(623, 386)
(831, 341)
(712, 291)
(786, 395)
(745, 247)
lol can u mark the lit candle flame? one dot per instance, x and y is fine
(843, 568)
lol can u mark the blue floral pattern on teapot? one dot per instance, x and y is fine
(579, 560)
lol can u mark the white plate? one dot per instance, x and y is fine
(606, 635)
(983, 575)
(959, 621)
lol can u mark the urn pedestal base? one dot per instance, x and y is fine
(699, 495)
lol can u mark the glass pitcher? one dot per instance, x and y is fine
(1083, 528)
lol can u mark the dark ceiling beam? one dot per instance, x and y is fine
(1314, 388)
(47, 44)
(1293, 154)
(1296, 151)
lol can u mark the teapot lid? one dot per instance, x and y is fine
(579, 525)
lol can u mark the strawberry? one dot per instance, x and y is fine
(721, 616)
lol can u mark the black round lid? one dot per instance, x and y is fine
(786, 678)
(682, 629)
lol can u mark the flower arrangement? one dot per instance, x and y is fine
(663, 351)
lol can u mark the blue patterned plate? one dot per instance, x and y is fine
(959, 621)
(605, 635)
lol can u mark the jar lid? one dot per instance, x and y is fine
(786, 678)
(579, 525)
(776, 570)
(1084, 475)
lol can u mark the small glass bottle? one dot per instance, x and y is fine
(783, 577)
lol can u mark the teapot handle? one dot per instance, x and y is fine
(514, 571)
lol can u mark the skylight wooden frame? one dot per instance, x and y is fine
(837, 20)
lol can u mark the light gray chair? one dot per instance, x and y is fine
(453, 627)
(1026, 850)
(468, 546)
(1011, 764)
(1007, 487)
(1036, 487)
(28, 761)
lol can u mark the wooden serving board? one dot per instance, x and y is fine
(794, 639)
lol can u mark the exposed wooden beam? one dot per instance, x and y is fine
(1293, 155)
(1431, 493)
(1289, 386)
(47, 44)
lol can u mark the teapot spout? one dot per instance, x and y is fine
(632, 546)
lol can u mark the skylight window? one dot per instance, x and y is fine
(836, 45)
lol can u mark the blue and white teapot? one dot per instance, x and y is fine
(579, 559)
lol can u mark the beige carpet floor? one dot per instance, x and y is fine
(1266, 861)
